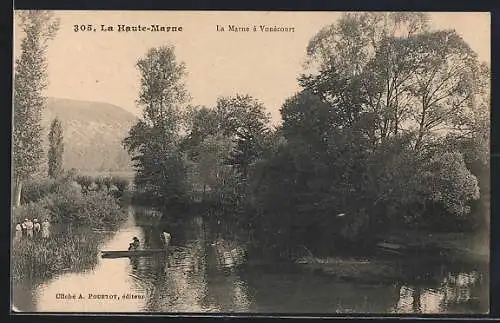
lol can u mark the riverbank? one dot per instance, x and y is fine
(44, 258)
(366, 270)
(72, 212)
(411, 248)
(473, 247)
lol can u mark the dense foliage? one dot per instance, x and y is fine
(153, 140)
(389, 131)
(64, 201)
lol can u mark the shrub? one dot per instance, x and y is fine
(449, 182)
(64, 206)
(69, 175)
(100, 182)
(67, 204)
(32, 210)
(35, 190)
(121, 185)
(85, 182)
(355, 227)
(108, 182)
(100, 209)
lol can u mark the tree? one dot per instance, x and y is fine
(443, 85)
(360, 64)
(308, 118)
(245, 121)
(212, 152)
(201, 122)
(56, 149)
(154, 140)
(353, 41)
(241, 119)
(391, 65)
(30, 79)
(352, 141)
(472, 140)
(359, 137)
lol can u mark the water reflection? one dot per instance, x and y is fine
(295, 292)
(457, 293)
(184, 280)
(109, 277)
(190, 279)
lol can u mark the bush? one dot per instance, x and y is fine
(85, 182)
(108, 182)
(63, 201)
(120, 183)
(115, 186)
(32, 210)
(100, 209)
(64, 206)
(67, 204)
(35, 190)
(355, 227)
(449, 182)
(100, 182)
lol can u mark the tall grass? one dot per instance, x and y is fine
(44, 258)
(36, 189)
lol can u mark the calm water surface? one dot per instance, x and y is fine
(191, 281)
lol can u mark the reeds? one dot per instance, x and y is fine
(44, 258)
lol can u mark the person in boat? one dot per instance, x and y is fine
(45, 228)
(36, 228)
(134, 245)
(165, 238)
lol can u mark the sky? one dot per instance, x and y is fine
(100, 66)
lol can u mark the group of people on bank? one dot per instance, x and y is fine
(32, 229)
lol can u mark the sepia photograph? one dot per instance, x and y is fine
(250, 162)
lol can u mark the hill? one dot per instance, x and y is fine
(93, 132)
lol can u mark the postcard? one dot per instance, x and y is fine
(250, 162)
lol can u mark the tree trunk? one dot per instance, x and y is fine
(17, 192)
(418, 142)
(421, 127)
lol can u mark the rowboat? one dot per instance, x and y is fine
(131, 253)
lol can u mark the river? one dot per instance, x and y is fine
(191, 281)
